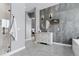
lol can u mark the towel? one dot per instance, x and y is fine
(13, 31)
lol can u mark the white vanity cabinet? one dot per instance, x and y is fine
(44, 37)
(75, 46)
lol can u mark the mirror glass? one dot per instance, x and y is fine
(5, 43)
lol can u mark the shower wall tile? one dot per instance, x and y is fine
(68, 14)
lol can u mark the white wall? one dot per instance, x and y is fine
(28, 27)
(18, 10)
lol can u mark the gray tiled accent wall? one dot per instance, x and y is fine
(68, 15)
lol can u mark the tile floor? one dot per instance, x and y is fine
(33, 49)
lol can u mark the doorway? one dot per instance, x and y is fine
(30, 24)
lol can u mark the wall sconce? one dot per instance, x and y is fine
(42, 17)
(50, 16)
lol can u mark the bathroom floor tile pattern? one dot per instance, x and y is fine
(33, 49)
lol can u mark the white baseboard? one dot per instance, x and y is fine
(15, 51)
(62, 44)
(59, 44)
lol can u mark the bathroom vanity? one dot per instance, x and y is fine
(75, 46)
(44, 37)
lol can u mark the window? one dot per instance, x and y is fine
(5, 23)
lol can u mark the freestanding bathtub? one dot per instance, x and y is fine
(75, 46)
